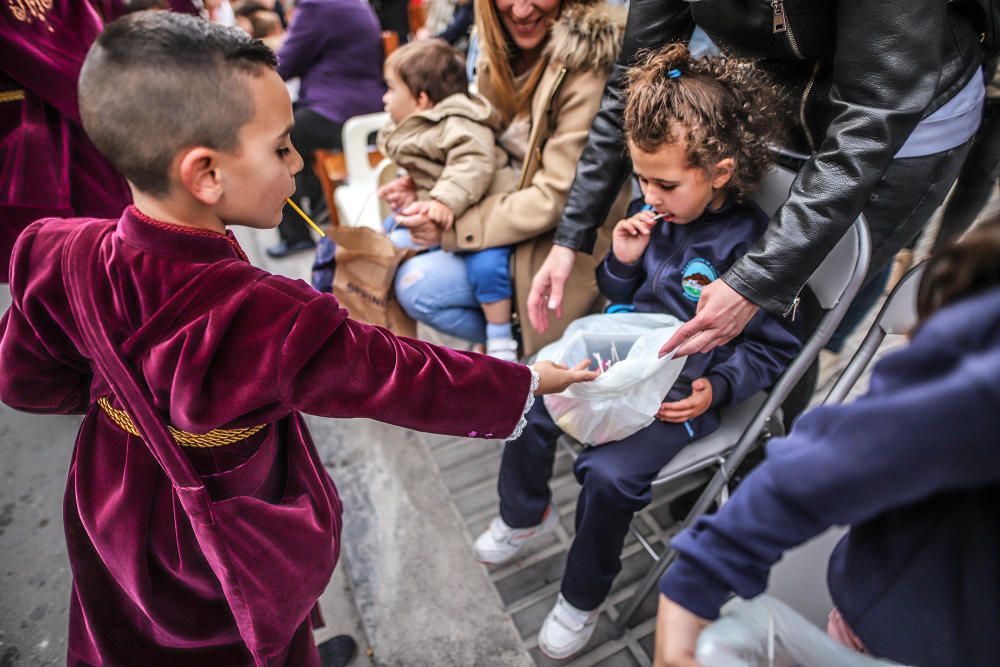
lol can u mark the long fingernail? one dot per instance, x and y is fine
(553, 304)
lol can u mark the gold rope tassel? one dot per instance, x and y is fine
(219, 437)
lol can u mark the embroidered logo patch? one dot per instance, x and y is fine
(697, 274)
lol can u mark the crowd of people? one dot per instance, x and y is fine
(567, 156)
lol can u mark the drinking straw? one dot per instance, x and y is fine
(305, 217)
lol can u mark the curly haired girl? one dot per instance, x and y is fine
(697, 133)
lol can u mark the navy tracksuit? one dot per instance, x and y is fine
(680, 260)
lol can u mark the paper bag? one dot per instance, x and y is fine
(366, 264)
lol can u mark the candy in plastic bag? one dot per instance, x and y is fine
(627, 395)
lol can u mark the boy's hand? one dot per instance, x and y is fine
(631, 236)
(438, 212)
(554, 378)
(398, 193)
(694, 405)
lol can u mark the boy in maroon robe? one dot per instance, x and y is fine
(198, 121)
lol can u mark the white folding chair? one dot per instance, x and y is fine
(356, 201)
(898, 316)
(834, 283)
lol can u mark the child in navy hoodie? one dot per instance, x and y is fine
(697, 133)
(911, 467)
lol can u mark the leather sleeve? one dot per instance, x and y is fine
(604, 165)
(886, 71)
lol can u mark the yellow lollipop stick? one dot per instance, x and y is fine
(305, 217)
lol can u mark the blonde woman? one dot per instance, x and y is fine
(543, 64)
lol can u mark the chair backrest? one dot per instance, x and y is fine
(354, 139)
(829, 281)
(390, 42)
(897, 316)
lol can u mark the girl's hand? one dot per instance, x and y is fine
(398, 193)
(631, 236)
(677, 632)
(554, 378)
(696, 404)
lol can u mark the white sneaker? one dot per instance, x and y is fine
(566, 630)
(502, 348)
(500, 542)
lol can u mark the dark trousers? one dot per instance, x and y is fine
(910, 191)
(311, 132)
(977, 180)
(616, 481)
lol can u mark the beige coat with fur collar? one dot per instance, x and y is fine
(450, 151)
(584, 44)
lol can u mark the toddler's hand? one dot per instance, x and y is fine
(631, 236)
(554, 378)
(438, 212)
(694, 405)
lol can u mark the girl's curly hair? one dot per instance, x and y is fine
(722, 107)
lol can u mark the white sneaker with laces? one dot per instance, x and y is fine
(566, 630)
(502, 348)
(500, 542)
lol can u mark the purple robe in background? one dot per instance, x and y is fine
(264, 350)
(48, 166)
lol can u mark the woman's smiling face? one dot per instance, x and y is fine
(527, 21)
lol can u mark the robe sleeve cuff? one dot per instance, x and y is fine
(519, 429)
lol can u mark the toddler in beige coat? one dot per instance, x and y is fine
(445, 139)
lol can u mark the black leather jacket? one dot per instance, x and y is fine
(865, 73)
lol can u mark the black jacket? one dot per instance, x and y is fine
(865, 73)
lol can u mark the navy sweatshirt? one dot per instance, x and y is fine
(679, 261)
(913, 467)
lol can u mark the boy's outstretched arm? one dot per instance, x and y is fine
(337, 367)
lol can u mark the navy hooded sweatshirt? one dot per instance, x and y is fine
(681, 260)
(913, 467)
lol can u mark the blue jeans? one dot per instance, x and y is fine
(446, 290)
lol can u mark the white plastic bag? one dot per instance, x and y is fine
(767, 632)
(626, 397)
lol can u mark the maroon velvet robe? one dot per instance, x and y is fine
(142, 591)
(48, 166)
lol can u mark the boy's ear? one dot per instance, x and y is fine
(199, 174)
(723, 172)
(424, 102)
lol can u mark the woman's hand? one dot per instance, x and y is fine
(677, 632)
(631, 236)
(398, 193)
(696, 404)
(554, 378)
(547, 286)
(721, 316)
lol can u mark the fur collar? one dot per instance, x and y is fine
(587, 37)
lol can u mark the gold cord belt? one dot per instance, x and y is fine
(215, 438)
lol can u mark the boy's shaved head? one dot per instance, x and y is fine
(156, 83)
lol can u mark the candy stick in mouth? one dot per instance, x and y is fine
(305, 217)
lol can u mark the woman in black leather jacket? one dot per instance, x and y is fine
(865, 73)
